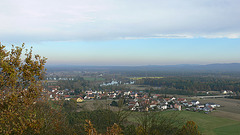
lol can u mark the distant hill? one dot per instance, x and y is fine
(232, 67)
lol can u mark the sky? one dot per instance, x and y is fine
(124, 32)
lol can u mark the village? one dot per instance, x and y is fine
(134, 101)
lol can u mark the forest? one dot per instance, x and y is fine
(192, 84)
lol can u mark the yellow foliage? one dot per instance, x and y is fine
(114, 130)
(20, 88)
(190, 129)
(89, 128)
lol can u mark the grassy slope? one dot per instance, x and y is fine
(228, 130)
(208, 125)
(212, 125)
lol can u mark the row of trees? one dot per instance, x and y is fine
(193, 83)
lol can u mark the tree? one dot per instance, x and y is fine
(238, 94)
(130, 130)
(114, 103)
(20, 85)
(114, 130)
(156, 123)
(190, 129)
(89, 129)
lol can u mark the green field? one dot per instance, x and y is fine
(93, 79)
(139, 78)
(228, 130)
(212, 125)
(208, 125)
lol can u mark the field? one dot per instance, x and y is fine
(207, 124)
(225, 120)
(139, 78)
(213, 125)
(93, 79)
(141, 87)
(230, 108)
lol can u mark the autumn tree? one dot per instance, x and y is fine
(157, 123)
(190, 129)
(114, 130)
(20, 87)
(89, 129)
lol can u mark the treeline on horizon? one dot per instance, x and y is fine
(148, 72)
(192, 84)
(157, 69)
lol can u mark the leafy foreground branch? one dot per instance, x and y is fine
(20, 87)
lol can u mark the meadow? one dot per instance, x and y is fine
(207, 124)
(93, 78)
(139, 78)
(213, 125)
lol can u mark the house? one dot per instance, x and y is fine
(89, 92)
(189, 104)
(91, 96)
(178, 106)
(127, 93)
(155, 96)
(195, 102)
(152, 106)
(162, 107)
(112, 96)
(67, 98)
(132, 95)
(136, 95)
(207, 109)
(185, 103)
(167, 99)
(227, 92)
(57, 97)
(181, 100)
(80, 100)
(132, 108)
(133, 104)
(200, 106)
(213, 105)
(173, 98)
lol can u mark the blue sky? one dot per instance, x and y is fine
(158, 51)
(111, 32)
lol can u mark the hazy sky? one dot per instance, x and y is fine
(125, 32)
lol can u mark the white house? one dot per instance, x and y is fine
(195, 102)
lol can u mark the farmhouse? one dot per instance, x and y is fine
(195, 102)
